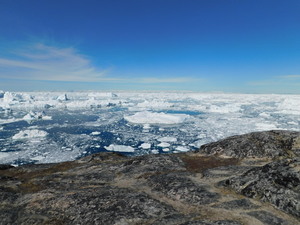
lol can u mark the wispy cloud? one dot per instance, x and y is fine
(43, 62)
(290, 76)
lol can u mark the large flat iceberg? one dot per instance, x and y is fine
(156, 118)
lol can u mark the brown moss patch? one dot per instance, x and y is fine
(30, 174)
(198, 164)
(32, 171)
(30, 187)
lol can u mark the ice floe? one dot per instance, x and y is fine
(182, 149)
(145, 146)
(164, 145)
(119, 148)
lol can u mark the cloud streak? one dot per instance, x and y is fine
(48, 63)
(155, 80)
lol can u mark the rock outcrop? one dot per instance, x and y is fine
(258, 144)
(247, 179)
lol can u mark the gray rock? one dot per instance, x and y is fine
(267, 218)
(237, 204)
(220, 222)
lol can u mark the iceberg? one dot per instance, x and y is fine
(62, 98)
(27, 134)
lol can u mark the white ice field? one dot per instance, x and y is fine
(44, 127)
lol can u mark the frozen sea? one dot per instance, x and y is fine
(48, 127)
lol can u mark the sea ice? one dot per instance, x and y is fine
(154, 104)
(163, 118)
(38, 158)
(167, 139)
(119, 148)
(3, 155)
(265, 126)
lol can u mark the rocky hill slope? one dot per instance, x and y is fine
(246, 179)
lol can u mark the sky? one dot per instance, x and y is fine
(244, 46)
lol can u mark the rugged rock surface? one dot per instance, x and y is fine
(202, 187)
(277, 182)
(258, 144)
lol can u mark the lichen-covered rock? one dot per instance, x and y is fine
(258, 144)
(102, 205)
(180, 187)
(152, 164)
(277, 182)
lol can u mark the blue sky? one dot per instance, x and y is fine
(247, 46)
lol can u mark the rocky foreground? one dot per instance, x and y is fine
(247, 179)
